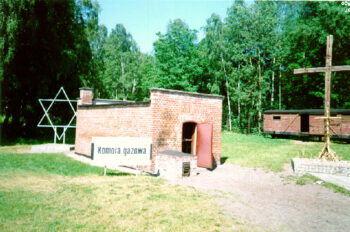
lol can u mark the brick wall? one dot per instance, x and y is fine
(86, 95)
(286, 123)
(170, 109)
(316, 125)
(339, 125)
(162, 119)
(291, 123)
(345, 125)
(115, 121)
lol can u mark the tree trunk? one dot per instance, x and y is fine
(260, 94)
(248, 130)
(133, 86)
(250, 114)
(280, 90)
(125, 94)
(273, 84)
(4, 128)
(122, 76)
(227, 92)
(239, 98)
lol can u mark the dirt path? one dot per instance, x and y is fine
(269, 203)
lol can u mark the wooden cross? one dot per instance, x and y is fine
(326, 152)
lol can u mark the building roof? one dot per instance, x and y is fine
(99, 101)
(109, 102)
(309, 111)
(113, 102)
(186, 93)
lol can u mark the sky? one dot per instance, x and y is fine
(144, 18)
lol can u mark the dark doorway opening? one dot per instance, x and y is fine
(189, 137)
(304, 123)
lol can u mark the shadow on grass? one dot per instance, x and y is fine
(118, 174)
(223, 159)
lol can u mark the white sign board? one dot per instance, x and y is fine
(129, 151)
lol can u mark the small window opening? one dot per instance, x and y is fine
(189, 137)
(276, 117)
(304, 123)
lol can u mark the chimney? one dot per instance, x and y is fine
(86, 96)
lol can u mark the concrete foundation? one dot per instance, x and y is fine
(170, 164)
(302, 165)
(51, 148)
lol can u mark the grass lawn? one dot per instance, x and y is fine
(51, 192)
(271, 154)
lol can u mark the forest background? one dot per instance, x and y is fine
(248, 57)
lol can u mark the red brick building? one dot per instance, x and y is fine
(175, 120)
(307, 122)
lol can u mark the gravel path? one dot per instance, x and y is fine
(267, 201)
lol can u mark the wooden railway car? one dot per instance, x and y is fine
(306, 122)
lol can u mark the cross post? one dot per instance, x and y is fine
(326, 152)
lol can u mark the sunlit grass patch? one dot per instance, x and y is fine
(40, 192)
(271, 154)
(58, 164)
(308, 179)
(126, 203)
(337, 188)
(25, 181)
(15, 149)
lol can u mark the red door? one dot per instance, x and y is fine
(203, 148)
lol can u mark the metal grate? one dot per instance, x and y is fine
(186, 169)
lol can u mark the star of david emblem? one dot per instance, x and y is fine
(47, 116)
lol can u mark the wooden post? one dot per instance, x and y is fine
(327, 151)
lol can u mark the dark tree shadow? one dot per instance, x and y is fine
(223, 160)
(118, 174)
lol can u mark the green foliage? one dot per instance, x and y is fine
(248, 57)
(123, 65)
(305, 30)
(43, 47)
(57, 164)
(96, 35)
(177, 58)
(238, 48)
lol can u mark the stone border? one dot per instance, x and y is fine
(303, 165)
